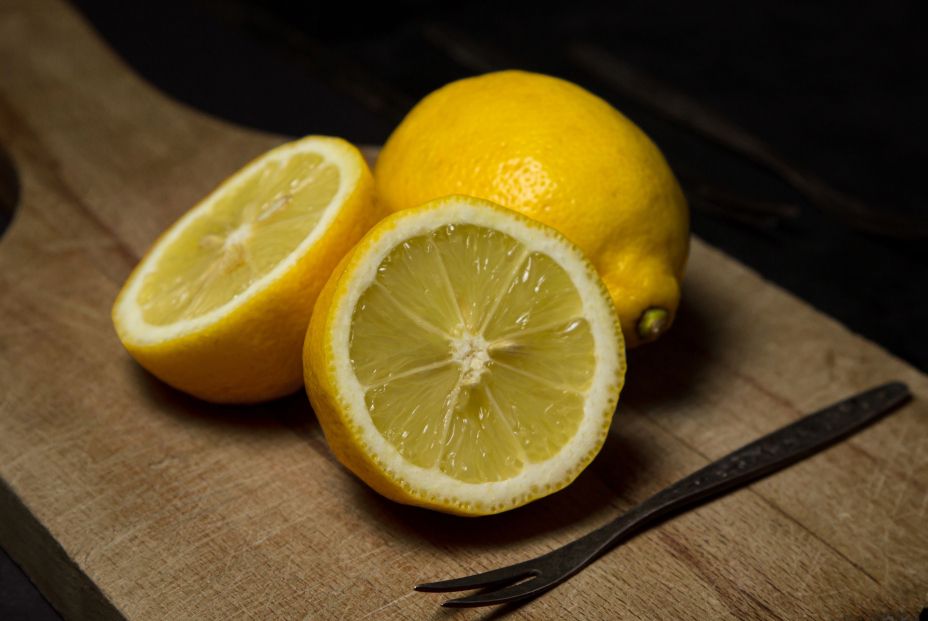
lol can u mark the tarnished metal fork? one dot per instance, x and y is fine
(767, 455)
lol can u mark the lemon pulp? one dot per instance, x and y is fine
(473, 353)
(249, 231)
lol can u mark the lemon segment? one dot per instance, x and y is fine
(464, 358)
(219, 305)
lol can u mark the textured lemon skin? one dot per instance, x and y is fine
(558, 154)
(343, 435)
(254, 354)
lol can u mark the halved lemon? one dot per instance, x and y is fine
(464, 358)
(219, 305)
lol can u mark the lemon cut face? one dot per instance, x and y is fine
(248, 232)
(471, 360)
(219, 305)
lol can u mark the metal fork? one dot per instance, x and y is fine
(769, 454)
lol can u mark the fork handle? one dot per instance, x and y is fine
(758, 459)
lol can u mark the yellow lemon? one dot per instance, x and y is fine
(464, 358)
(219, 305)
(563, 156)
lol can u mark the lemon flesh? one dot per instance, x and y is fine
(464, 358)
(473, 353)
(248, 233)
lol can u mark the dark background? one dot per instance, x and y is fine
(829, 91)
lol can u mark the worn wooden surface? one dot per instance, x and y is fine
(122, 497)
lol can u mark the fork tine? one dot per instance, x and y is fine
(523, 590)
(492, 578)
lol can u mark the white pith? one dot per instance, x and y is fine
(138, 331)
(536, 478)
(471, 352)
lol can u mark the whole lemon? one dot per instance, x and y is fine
(561, 155)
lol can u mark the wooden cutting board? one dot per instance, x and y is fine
(122, 497)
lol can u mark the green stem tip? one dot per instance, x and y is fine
(652, 322)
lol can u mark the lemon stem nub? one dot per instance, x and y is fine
(652, 323)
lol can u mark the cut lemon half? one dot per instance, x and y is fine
(219, 305)
(464, 358)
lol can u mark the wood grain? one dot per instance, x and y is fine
(124, 498)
